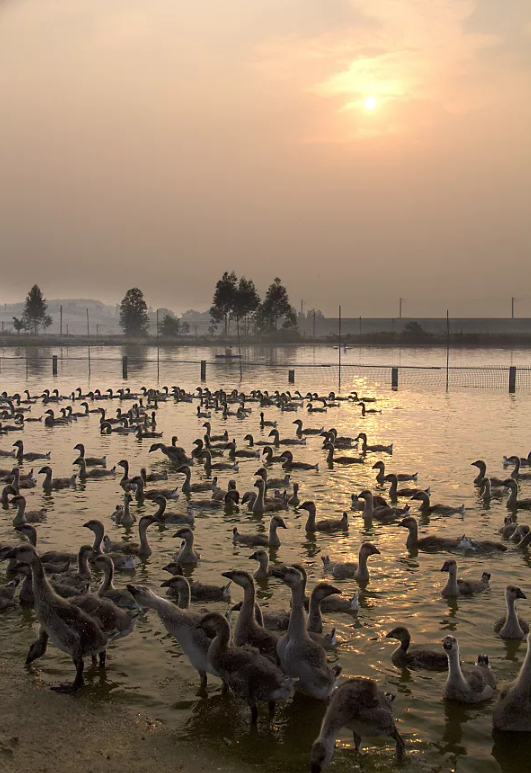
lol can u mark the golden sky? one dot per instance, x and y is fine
(160, 142)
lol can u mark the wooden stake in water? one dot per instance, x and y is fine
(239, 346)
(447, 348)
(158, 349)
(88, 340)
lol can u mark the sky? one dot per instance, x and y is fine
(158, 143)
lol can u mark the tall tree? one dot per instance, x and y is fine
(169, 326)
(35, 308)
(276, 306)
(246, 301)
(224, 299)
(134, 319)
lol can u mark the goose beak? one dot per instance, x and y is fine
(166, 584)
(228, 575)
(520, 594)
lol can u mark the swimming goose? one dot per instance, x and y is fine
(354, 396)
(395, 492)
(512, 626)
(92, 461)
(249, 439)
(327, 524)
(164, 516)
(321, 592)
(365, 410)
(266, 505)
(293, 500)
(50, 556)
(300, 657)
(285, 441)
(316, 409)
(175, 454)
(186, 554)
(120, 560)
(382, 512)
(263, 572)
(427, 508)
(338, 441)
(95, 473)
(482, 467)
(270, 540)
(457, 587)
(219, 438)
(251, 677)
(19, 481)
(266, 423)
(486, 491)
(152, 477)
(509, 527)
(28, 456)
(512, 712)
(119, 596)
(404, 657)
(198, 591)
(350, 569)
(432, 542)
(331, 459)
(27, 516)
(80, 579)
(243, 453)
(306, 431)
(469, 687)
(273, 482)
(525, 461)
(141, 548)
(188, 488)
(516, 474)
(68, 627)
(374, 447)
(51, 421)
(210, 465)
(122, 514)
(513, 503)
(288, 464)
(366, 710)
(268, 456)
(383, 478)
(247, 631)
(50, 482)
(181, 624)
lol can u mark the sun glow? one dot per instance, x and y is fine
(370, 103)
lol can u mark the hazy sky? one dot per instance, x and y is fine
(160, 142)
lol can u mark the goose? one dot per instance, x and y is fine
(145, 434)
(263, 505)
(7, 594)
(249, 439)
(80, 579)
(429, 543)
(338, 441)
(181, 624)
(198, 591)
(285, 441)
(28, 456)
(395, 492)
(265, 422)
(263, 572)
(92, 461)
(482, 467)
(243, 453)
(271, 540)
(331, 459)
(512, 712)
(356, 399)
(273, 482)
(293, 500)
(404, 657)
(7, 491)
(512, 626)
(366, 710)
(302, 658)
(189, 488)
(125, 481)
(458, 587)
(71, 629)
(516, 474)
(121, 560)
(4, 453)
(513, 503)
(320, 593)
(307, 430)
(247, 631)
(219, 438)
(269, 458)
(164, 516)
(251, 677)
(288, 464)
(187, 554)
(27, 516)
(381, 513)
(509, 527)
(51, 421)
(203, 414)
(210, 465)
(328, 524)
(377, 502)
(89, 410)
(350, 569)
(525, 461)
(140, 549)
(470, 687)
(50, 482)
(316, 409)
(122, 514)
(19, 481)
(26, 598)
(95, 473)
(427, 508)
(119, 596)
(486, 492)
(153, 493)
(175, 454)
(401, 477)
(152, 477)
(365, 410)
(50, 556)
(375, 447)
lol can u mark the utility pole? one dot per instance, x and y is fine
(512, 308)
(60, 320)
(88, 325)
(314, 326)
(400, 308)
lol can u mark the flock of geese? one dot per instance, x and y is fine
(266, 655)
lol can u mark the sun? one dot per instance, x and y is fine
(370, 103)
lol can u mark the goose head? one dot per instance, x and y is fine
(243, 579)
(400, 633)
(47, 470)
(513, 592)
(449, 566)
(450, 644)
(289, 575)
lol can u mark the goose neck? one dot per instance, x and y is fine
(19, 520)
(455, 675)
(452, 587)
(297, 618)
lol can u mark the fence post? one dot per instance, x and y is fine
(394, 378)
(203, 370)
(124, 366)
(512, 380)
(54, 365)
(291, 376)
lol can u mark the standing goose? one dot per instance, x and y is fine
(512, 626)
(300, 657)
(68, 627)
(359, 705)
(470, 687)
(92, 461)
(327, 524)
(247, 631)
(251, 677)
(457, 587)
(27, 516)
(50, 483)
(404, 657)
(141, 548)
(512, 712)
(187, 554)
(374, 447)
(31, 456)
(271, 540)
(350, 569)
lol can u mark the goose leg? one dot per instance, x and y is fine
(357, 741)
(77, 684)
(38, 647)
(103, 658)
(203, 677)
(254, 715)
(400, 745)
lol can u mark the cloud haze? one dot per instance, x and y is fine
(160, 143)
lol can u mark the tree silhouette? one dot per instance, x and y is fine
(224, 300)
(276, 306)
(246, 301)
(18, 324)
(134, 319)
(35, 308)
(169, 326)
